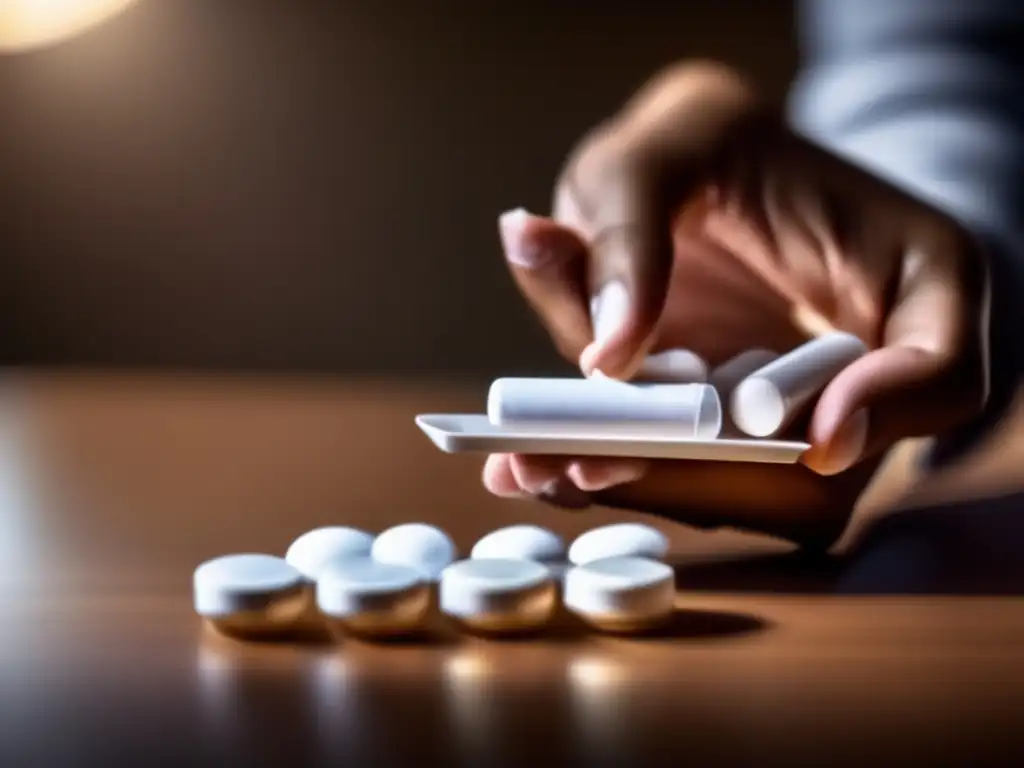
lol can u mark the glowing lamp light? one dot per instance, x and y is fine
(27, 25)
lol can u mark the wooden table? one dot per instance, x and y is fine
(115, 488)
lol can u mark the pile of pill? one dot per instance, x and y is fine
(758, 393)
(614, 578)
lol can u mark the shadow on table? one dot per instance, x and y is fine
(685, 624)
(971, 547)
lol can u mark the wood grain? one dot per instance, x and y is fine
(115, 488)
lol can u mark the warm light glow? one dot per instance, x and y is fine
(595, 675)
(810, 322)
(30, 24)
(468, 668)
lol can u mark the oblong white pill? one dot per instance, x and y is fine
(767, 400)
(497, 595)
(368, 597)
(729, 374)
(621, 594)
(726, 376)
(250, 593)
(521, 542)
(678, 365)
(416, 545)
(618, 540)
(688, 410)
(314, 549)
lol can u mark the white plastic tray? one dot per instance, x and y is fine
(472, 432)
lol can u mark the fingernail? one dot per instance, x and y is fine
(609, 310)
(519, 250)
(846, 447)
(600, 479)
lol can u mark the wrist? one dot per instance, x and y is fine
(1002, 354)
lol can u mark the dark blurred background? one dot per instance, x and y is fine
(314, 186)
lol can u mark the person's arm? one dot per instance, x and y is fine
(930, 95)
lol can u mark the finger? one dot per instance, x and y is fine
(930, 374)
(629, 185)
(536, 474)
(599, 474)
(785, 501)
(500, 480)
(628, 276)
(548, 264)
(498, 477)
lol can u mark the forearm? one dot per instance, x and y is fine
(929, 94)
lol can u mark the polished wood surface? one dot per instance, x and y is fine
(115, 488)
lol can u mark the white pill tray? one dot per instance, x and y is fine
(474, 433)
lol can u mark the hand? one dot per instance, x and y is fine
(695, 219)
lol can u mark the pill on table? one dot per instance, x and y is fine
(767, 400)
(678, 365)
(618, 540)
(603, 404)
(314, 549)
(371, 598)
(621, 594)
(498, 596)
(250, 594)
(521, 542)
(417, 545)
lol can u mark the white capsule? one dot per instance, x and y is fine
(729, 374)
(685, 410)
(765, 402)
(678, 365)
(498, 596)
(250, 594)
(373, 599)
(315, 549)
(621, 594)
(725, 377)
(416, 545)
(521, 542)
(618, 540)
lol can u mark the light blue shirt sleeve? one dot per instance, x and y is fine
(929, 94)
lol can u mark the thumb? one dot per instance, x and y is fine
(928, 377)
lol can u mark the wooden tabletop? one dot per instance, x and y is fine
(112, 490)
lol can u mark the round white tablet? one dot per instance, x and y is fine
(618, 540)
(521, 542)
(621, 594)
(416, 545)
(501, 596)
(250, 593)
(372, 598)
(315, 549)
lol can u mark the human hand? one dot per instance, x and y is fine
(695, 219)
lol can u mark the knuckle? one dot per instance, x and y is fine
(578, 184)
(707, 72)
